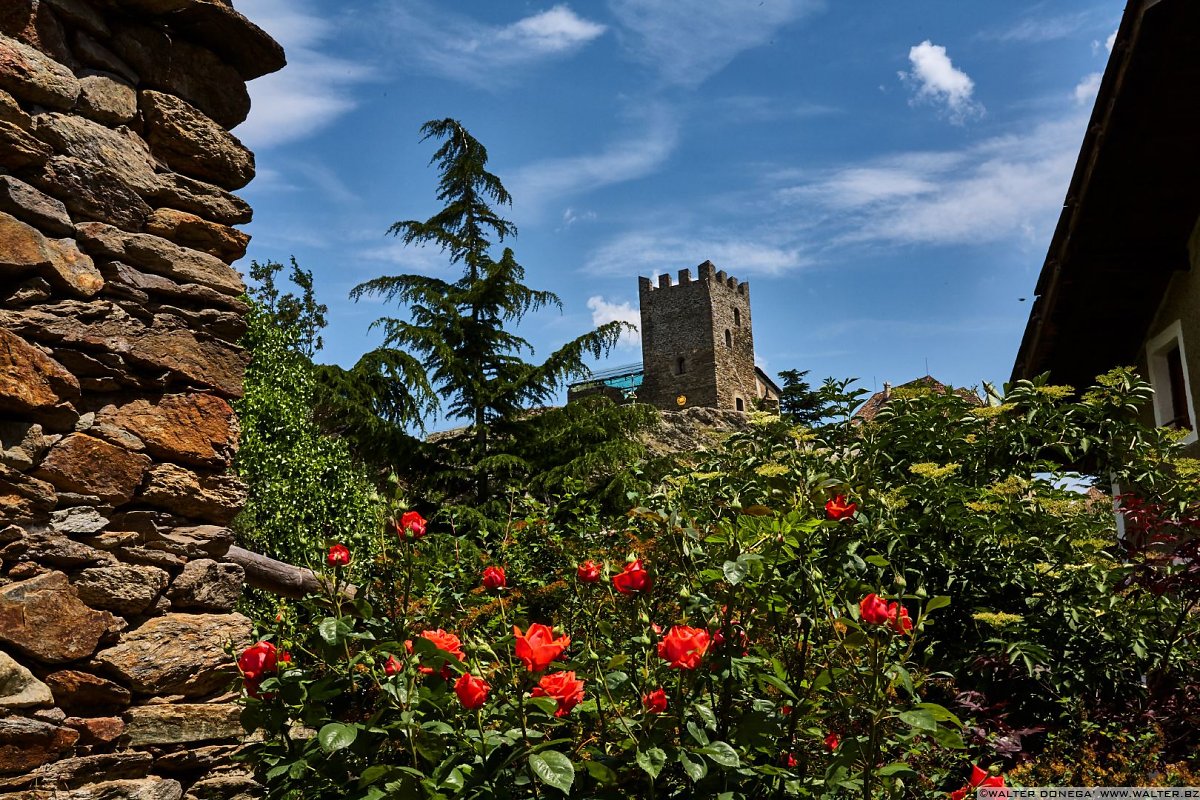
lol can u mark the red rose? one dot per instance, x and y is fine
(655, 702)
(874, 609)
(494, 578)
(683, 647)
(258, 662)
(588, 572)
(447, 643)
(563, 687)
(898, 618)
(979, 778)
(633, 578)
(537, 647)
(788, 760)
(339, 556)
(392, 666)
(832, 742)
(411, 525)
(471, 691)
(838, 508)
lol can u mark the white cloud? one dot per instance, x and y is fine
(652, 252)
(687, 41)
(1108, 44)
(534, 185)
(937, 80)
(571, 216)
(604, 311)
(1035, 30)
(1001, 188)
(312, 91)
(1086, 91)
(464, 49)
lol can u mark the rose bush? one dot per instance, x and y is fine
(751, 642)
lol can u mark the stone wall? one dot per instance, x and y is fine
(119, 314)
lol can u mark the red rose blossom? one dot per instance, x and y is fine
(633, 578)
(839, 508)
(339, 556)
(655, 702)
(898, 619)
(471, 691)
(588, 572)
(683, 647)
(392, 666)
(446, 642)
(537, 647)
(788, 760)
(873, 609)
(832, 742)
(979, 778)
(494, 578)
(258, 662)
(411, 525)
(563, 687)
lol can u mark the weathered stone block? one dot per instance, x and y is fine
(194, 73)
(46, 547)
(123, 588)
(29, 379)
(106, 98)
(178, 653)
(34, 76)
(43, 618)
(157, 255)
(34, 207)
(207, 585)
(211, 202)
(85, 693)
(188, 428)
(189, 230)
(193, 144)
(93, 54)
(179, 723)
(22, 498)
(28, 743)
(102, 731)
(122, 151)
(82, 463)
(91, 191)
(18, 687)
(181, 491)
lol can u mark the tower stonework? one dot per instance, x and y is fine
(697, 341)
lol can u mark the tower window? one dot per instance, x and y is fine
(739, 404)
(737, 318)
(680, 366)
(1173, 398)
(728, 338)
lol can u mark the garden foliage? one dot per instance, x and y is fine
(901, 608)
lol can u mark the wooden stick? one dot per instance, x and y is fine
(278, 577)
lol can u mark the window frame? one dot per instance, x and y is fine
(1157, 350)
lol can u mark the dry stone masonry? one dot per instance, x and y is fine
(119, 317)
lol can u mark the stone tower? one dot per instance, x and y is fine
(697, 343)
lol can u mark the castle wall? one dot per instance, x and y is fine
(689, 319)
(119, 317)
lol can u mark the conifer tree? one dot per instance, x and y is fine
(461, 330)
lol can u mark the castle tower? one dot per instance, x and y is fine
(697, 343)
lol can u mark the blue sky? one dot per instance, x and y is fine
(886, 175)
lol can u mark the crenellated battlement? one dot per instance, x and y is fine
(706, 273)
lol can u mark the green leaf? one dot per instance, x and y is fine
(940, 713)
(920, 719)
(735, 571)
(877, 561)
(696, 770)
(652, 761)
(600, 773)
(941, 601)
(372, 774)
(897, 768)
(722, 753)
(337, 736)
(553, 769)
(328, 628)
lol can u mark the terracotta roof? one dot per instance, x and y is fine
(877, 401)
